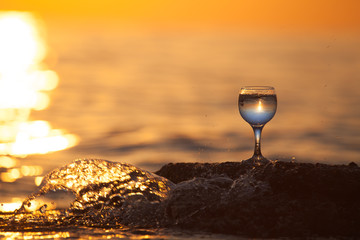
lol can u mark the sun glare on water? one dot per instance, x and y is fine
(25, 84)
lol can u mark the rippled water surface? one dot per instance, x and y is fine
(120, 232)
(152, 98)
(155, 98)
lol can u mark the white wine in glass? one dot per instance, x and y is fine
(257, 106)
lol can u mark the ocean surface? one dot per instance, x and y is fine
(152, 98)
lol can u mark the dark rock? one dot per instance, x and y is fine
(178, 172)
(279, 199)
(192, 197)
(352, 164)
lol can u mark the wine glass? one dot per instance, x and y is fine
(257, 106)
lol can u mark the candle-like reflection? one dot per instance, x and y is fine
(259, 107)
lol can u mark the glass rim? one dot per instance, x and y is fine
(265, 90)
(258, 88)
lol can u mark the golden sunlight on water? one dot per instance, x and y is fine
(11, 206)
(24, 86)
(37, 235)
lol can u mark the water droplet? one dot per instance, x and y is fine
(43, 208)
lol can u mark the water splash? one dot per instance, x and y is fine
(99, 184)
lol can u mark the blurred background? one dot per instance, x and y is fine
(153, 82)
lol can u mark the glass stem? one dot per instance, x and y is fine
(257, 151)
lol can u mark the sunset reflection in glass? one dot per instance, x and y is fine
(257, 106)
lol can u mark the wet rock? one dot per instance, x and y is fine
(195, 197)
(280, 199)
(137, 211)
(178, 172)
(352, 164)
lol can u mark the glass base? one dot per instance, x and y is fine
(257, 160)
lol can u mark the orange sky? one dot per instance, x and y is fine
(257, 14)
